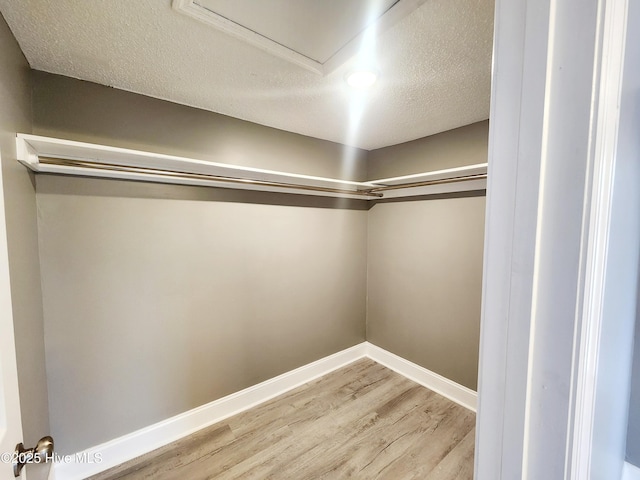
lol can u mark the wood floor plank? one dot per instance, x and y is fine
(458, 464)
(352, 447)
(319, 430)
(171, 456)
(440, 435)
(329, 391)
(362, 421)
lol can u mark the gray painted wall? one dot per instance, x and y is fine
(20, 206)
(154, 306)
(424, 280)
(161, 298)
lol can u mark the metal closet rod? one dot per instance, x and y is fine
(199, 176)
(374, 192)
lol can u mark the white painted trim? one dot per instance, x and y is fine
(145, 440)
(545, 88)
(194, 10)
(447, 388)
(10, 409)
(587, 342)
(517, 110)
(630, 472)
(446, 174)
(398, 11)
(477, 169)
(52, 474)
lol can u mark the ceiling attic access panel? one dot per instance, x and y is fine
(317, 35)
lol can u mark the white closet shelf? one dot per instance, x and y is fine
(67, 157)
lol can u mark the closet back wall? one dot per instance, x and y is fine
(161, 298)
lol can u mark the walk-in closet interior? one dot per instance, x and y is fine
(164, 257)
(177, 295)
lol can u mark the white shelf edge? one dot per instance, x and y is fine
(31, 147)
(476, 169)
(59, 148)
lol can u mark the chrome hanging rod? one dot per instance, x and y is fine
(374, 192)
(199, 176)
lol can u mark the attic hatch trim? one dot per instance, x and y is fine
(387, 19)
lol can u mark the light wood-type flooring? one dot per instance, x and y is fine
(362, 421)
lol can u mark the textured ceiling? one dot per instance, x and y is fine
(435, 67)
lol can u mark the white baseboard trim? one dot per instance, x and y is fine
(630, 472)
(102, 457)
(143, 441)
(447, 388)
